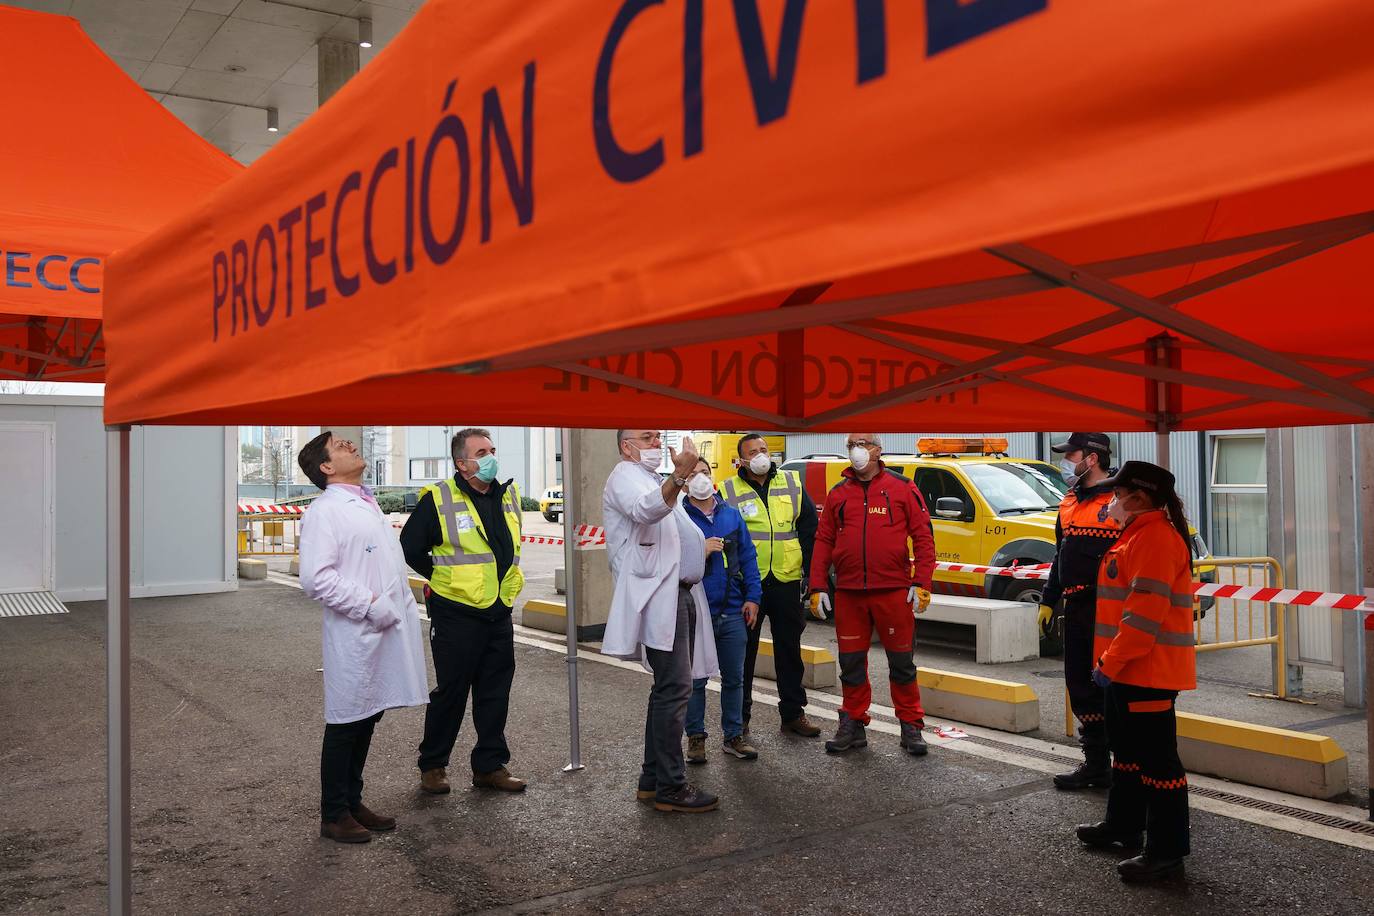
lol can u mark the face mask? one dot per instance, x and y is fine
(699, 487)
(858, 457)
(487, 468)
(650, 458)
(1073, 471)
(1118, 511)
(760, 463)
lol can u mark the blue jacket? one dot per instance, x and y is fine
(732, 577)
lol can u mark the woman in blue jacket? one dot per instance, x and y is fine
(733, 591)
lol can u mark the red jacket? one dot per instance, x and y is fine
(871, 533)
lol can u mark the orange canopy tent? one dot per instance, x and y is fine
(953, 214)
(89, 163)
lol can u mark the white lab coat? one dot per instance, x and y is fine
(642, 543)
(348, 554)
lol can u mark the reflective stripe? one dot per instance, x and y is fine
(1176, 639)
(516, 561)
(760, 535)
(1181, 602)
(1152, 586)
(773, 535)
(1140, 623)
(793, 489)
(1105, 630)
(1112, 592)
(464, 559)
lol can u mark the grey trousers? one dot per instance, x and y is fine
(664, 769)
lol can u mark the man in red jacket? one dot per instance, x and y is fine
(875, 530)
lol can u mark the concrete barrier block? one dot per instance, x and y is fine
(417, 588)
(1004, 705)
(250, 568)
(1004, 631)
(295, 568)
(1258, 755)
(820, 668)
(560, 581)
(545, 615)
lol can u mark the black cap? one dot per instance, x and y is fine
(1141, 475)
(1097, 442)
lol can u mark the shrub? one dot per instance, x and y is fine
(391, 502)
(529, 504)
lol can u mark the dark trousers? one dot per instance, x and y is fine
(782, 605)
(1149, 788)
(477, 656)
(1080, 619)
(663, 769)
(342, 758)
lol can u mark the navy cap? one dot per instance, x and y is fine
(1097, 442)
(1141, 475)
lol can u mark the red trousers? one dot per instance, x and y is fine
(856, 614)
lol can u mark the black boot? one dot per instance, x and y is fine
(1101, 836)
(849, 735)
(913, 742)
(1144, 868)
(1091, 774)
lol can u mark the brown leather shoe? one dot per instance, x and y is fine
(344, 830)
(498, 779)
(373, 821)
(435, 781)
(801, 725)
(645, 796)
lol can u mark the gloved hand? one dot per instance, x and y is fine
(1046, 615)
(1101, 679)
(919, 598)
(819, 605)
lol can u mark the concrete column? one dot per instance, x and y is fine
(594, 454)
(338, 62)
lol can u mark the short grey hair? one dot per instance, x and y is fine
(460, 441)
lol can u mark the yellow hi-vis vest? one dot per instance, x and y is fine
(464, 566)
(772, 523)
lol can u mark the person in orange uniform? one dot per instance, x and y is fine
(1145, 656)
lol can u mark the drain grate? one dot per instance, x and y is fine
(1364, 828)
(30, 604)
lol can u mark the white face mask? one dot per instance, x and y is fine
(650, 458)
(858, 457)
(761, 463)
(699, 487)
(1116, 510)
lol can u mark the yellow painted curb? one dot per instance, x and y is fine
(811, 655)
(985, 688)
(1279, 742)
(554, 608)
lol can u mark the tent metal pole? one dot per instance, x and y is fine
(570, 514)
(117, 665)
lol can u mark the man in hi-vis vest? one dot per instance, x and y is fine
(464, 537)
(782, 524)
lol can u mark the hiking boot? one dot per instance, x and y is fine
(1087, 776)
(1143, 868)
(687, 799)
(1103, 836)
(373, 821)
(501, 780)
(850, 734)
(435, 781)
(738, 747)
(745, 733)
(645, 796)
(696, 749)
(913, 742)
(345, 830)
(801, 725)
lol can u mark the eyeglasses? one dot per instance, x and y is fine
(646, 438)
(861, 443)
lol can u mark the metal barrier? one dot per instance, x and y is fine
(268, 535)
(1243, 632)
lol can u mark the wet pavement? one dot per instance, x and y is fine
(226, 713)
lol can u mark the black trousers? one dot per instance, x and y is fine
(782, 605)
(1149, 788)
(477, 656)
(663, 769)
(342, 758)
(1080, 619)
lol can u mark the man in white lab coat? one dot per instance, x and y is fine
(658, 556)
(374, 660)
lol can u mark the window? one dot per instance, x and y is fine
(428, 468)
(936, 484)
(1009, 489)
(1239, 496)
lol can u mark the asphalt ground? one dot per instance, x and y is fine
(226, 730)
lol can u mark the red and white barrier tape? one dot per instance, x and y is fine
(1040, 571)
(269, 509)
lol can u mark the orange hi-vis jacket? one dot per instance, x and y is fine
(1145, 608)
